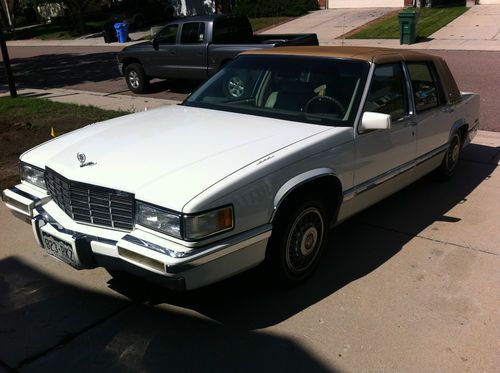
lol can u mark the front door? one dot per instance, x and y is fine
(163, 61)
(385, 157)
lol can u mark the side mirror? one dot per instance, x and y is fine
(375, 121)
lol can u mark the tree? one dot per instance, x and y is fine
(78, 9)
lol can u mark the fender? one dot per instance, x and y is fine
(297, 181)
(455, 127)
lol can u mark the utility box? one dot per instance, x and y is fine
(408, 27)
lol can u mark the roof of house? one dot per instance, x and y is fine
(371, 54)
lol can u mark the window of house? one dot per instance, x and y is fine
(387, 91)
(426, 90)
(168, 34)
(193, 33)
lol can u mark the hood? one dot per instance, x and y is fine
(169, 155)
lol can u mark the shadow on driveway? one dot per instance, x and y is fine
(49, 325)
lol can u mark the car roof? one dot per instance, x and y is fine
(370, 54)
(207, 17)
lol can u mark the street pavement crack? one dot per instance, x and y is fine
(429, 239)
(70, 337)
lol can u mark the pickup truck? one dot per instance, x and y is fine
(186, 195)
(197, 47)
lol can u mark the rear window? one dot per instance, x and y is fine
(193, 33)
(232, 30)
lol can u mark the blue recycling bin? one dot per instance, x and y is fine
(121, 29)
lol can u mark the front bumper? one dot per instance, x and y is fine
(138, 252)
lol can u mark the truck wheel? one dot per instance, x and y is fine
(298, 239)
(235, 86)
(449, 165)
(137, 80)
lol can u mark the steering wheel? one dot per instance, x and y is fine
(327, 99)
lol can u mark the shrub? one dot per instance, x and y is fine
(275, 8)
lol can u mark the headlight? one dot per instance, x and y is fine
(208, 223)
(194, 227)
(33, 175)
(158, 219)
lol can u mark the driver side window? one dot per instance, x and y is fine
(167, 35)
(387, 91)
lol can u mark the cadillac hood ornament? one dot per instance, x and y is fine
(82, 159)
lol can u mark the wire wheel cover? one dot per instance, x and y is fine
(304, 240)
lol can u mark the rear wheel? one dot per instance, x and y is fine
(450, 162)
(136, 78)
(298, 239)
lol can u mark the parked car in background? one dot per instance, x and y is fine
(186, 195)
(138, 13)
(197, 47)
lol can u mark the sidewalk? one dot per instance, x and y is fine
(477, 29)
(101, 100)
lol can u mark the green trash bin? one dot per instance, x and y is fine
(408, 27)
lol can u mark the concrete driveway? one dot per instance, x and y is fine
(329, 24)
(410, 285)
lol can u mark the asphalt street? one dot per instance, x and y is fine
(95, 69)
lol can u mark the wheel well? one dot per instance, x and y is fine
(463, 133)
(128, 61)
(327, 187)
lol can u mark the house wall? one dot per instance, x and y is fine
(193, 7)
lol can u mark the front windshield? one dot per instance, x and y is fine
(314, 90)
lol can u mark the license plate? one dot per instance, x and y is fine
(60, 249)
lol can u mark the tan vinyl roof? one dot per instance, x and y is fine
(371, 54)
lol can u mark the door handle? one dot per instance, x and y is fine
(448, 110)
(412, 123)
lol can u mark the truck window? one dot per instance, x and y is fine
(387, 91)
(426, 90)
(193, 32)
(168, 34)
(232, 30)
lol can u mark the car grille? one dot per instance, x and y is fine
(91, 204)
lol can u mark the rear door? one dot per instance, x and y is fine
(384, 158)
(192, 51)
(434, 115)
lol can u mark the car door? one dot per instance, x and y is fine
(163, 59)
(385, 157)
(192, 51)
(434, 116)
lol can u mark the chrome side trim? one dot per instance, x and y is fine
(217, 251)
(386, 176)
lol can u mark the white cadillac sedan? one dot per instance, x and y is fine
(255, 166)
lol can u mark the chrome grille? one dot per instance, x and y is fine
(91, 204)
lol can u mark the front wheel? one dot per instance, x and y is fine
(136, 78)
(298, 239)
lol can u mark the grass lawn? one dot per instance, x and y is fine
(27, 122)
(265, 22)
(431, 20)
